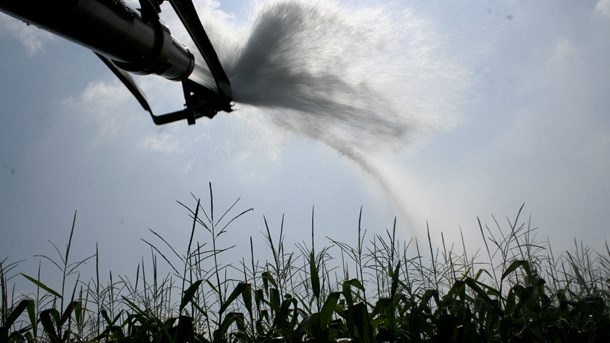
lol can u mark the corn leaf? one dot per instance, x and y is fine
(189, 294)
(42, 285)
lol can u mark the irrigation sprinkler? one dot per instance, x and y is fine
(130, 41)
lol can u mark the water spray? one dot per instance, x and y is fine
(362, 81)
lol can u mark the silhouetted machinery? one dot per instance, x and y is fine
(130, 41)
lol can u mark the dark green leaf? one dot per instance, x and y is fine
(280, 321)
(48, 318)
(363, 323)
(219, 334)
(513, 266)
(68, 312)
(394, 274)
(328, 309)
(189, 294)
(247, 298)
(16, 312)
(314, 275)
(32, 315)
(239, 289)
(472, 283)
(268, 279)
(274, 299)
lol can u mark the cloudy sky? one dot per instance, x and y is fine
(502, 104)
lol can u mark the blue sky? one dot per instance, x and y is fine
(517, 90)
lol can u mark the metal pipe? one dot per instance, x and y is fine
(112, 29)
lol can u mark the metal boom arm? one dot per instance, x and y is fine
(129, 42)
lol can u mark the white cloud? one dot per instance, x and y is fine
(553, 152)
(162, 142)
(213, 19)
(563, 49)
(540, 138)
(603, 8)
(31, 37)
(104, 105)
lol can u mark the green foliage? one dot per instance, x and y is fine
(386, 291)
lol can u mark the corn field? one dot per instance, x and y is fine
(375, 289)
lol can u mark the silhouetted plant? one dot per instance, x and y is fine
(383, 291)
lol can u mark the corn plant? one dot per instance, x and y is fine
(375, 289)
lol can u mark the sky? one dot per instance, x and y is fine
(509, 104)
